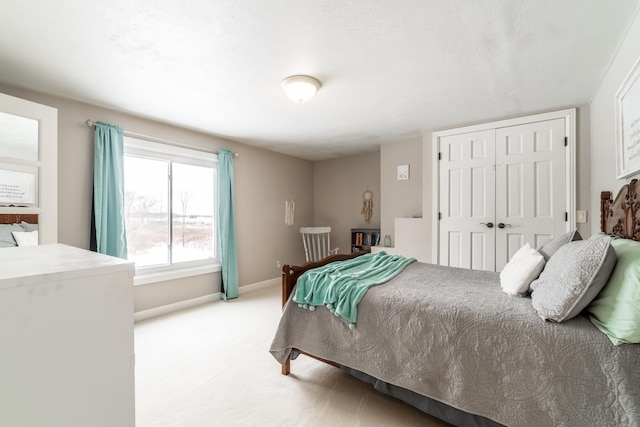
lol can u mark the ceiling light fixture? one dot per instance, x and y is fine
(300, 88)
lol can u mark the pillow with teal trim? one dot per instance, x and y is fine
(616, 309)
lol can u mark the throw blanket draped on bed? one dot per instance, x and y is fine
(341, 285)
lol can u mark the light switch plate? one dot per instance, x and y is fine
(581, 217)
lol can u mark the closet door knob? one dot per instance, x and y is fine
(501, 225)
(488, 224)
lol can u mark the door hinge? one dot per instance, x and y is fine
(566, 216)
(439, 156)
(566, 141)
(439, 215)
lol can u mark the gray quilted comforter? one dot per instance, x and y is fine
(453, 335)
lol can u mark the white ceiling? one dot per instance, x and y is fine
(389, 69)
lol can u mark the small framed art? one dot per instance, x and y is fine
(403, 172)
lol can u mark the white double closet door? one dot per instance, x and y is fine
(500, 188)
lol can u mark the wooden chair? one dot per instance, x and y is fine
(317, 243)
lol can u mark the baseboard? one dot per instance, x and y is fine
(260, 285)
(180, 305)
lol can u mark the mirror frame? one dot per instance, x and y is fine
(47, 164)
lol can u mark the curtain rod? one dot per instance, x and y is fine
(91, 124)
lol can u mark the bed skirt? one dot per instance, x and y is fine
(432, 407)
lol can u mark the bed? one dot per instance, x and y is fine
(452, 343)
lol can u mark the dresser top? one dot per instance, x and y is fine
(35, 264)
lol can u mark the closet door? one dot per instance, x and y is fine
(530, 186)
(500, 187)
(467, 200)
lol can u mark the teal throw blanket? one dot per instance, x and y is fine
(342, 285)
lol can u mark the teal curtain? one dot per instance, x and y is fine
(108, 191)
(227, 226)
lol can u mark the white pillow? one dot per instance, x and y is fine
(523, 268)
(26, 238)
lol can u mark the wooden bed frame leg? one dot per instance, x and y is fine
(290, 275)
(286, 367)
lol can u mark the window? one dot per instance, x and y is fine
(170, 199)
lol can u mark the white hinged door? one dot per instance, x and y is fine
(499, 188)
(467, 194)
(530, 186)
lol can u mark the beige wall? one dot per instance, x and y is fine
(400, 199)
(339, 185)
(427, 189)
(603, 122)
(263, 183)
(262, 180)
(583, 169)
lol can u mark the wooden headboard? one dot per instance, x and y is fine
(18, 218)
(621, 216)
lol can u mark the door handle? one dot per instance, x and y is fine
(502, 225)
(488, 224)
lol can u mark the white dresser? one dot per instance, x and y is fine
(411, 239)
(66, 338)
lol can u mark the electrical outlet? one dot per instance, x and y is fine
(278, 264)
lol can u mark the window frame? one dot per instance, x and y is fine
(171, 153)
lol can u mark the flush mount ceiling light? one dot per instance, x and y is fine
(300, 88)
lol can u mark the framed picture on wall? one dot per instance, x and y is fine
(403, 172)
(628, 124)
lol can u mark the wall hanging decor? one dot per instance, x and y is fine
(289, 210)
(403, 172)
(367, 205)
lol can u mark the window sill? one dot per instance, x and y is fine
(161, 276)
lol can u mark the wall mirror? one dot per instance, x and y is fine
(29, 164)
(19, 136)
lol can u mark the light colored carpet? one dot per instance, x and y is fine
(210, 366)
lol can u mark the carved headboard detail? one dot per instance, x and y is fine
(622, 215)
